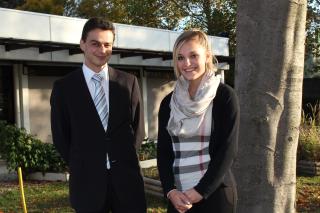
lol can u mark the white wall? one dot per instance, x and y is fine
(40, 88)
(158, 86)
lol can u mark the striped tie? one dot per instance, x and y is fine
(100, 100)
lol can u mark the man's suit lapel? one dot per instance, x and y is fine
(112, 99)
(84, 90)
(85, 99)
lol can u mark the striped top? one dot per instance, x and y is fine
(192, 155)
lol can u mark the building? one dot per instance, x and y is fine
(36, 49)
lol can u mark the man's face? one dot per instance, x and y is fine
(97, 48)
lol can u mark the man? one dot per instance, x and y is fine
(97, 125)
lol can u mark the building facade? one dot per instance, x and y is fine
(36, 49)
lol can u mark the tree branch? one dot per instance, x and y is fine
(188, 9)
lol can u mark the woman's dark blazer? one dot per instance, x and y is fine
(222, 148)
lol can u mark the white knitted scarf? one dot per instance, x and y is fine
(188, 113)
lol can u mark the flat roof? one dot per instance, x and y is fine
(54, 31)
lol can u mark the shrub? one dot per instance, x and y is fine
(309, 138)
(148, 150)
(20, 149)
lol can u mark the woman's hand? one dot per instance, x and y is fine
(180, 201)
(193, 196)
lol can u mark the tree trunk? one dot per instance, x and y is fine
(268, 79)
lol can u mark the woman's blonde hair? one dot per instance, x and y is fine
(202, 38)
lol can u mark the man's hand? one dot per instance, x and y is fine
(193, 196)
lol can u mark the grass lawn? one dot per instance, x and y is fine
(53, 197)
(308, 194)
(50, 197)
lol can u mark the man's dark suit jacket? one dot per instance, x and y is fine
(81, 140)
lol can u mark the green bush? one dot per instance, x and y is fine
(148, 150)
(20, 149)
(309, 145)
(309, 138)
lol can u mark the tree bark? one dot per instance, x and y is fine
(268, 79)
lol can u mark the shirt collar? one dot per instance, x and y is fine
(88, 73)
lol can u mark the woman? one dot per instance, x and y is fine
(198, 130)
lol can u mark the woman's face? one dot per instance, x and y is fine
(191, 60)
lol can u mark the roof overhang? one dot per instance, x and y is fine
(35, 36)
(73, 49)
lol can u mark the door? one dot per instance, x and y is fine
(6, 94)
